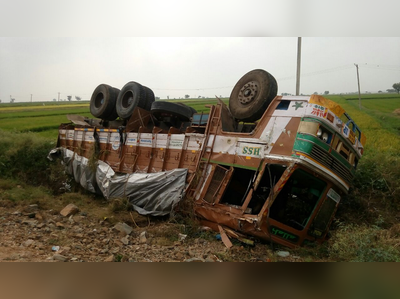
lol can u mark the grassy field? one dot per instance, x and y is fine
(45, 119)
(42, 118)
(367, 224)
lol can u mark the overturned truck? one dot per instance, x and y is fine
(273, 167)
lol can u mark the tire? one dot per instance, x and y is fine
(103, 101)
(114, 114)
(193, 110)
(252, 95)
(130, 96)
(150, 98)
(161, 109)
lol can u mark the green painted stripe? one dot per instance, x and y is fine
(314, 139)
(303, 146)
(306, 147)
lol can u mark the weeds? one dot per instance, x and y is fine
(364, 244)
(23, 156)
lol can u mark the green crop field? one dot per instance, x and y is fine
(376, 119)
(38, 118)
(45, 118)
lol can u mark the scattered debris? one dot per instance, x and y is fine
(123, 228)
(181, 237)
(28, 243)
(30, 222)
(60, 225)
(125, 240)
(224, 237)
(59, 257)
(110, 259)
(283, 254)
(195, 260)
(55, 248)
(143, 238)
(31, 208)
(69, 210)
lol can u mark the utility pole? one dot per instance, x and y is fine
(58, 97)
(359, 93)
(31, 98)
(298, 66)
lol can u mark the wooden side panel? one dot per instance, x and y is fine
(129, 153)
(144, 152)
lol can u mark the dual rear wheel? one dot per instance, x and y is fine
(248, 101)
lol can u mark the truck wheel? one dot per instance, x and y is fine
(150, 98)
(193, 110)
(252, 95)
(129, 97)
(102, 102)
(162, 109)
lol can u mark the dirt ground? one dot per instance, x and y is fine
(31, 234)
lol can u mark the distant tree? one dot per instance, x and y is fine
(315, 93)
(157, 98)
(0, 101)
(396, 86)
(187, 96)
(167, 97)
(391, 90)
(326, 92)
(380, 91)
(69, 98)
(78, 98)
(54, 100)
(199, 97)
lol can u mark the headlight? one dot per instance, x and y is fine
(325, 137)
(319, 132)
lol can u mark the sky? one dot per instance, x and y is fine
(199, 48)
(197, 66)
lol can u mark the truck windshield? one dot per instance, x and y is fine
(296, 202)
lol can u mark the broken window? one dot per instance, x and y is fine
(283, 105)
(324, 216)
(272, 174)
(238, 187)
(217, 180)
(296, 202)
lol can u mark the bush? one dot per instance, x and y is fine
(364, 244)
(375, 192)
(23, 156)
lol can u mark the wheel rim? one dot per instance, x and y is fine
(248, 92)
(99, 101)
(127, 99)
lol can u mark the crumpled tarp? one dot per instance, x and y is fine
(153, 194)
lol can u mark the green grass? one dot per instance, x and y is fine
(39, 118)
(41, 105)
(381, 109)
(37, 113)
(381, 135)
(45, 120)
